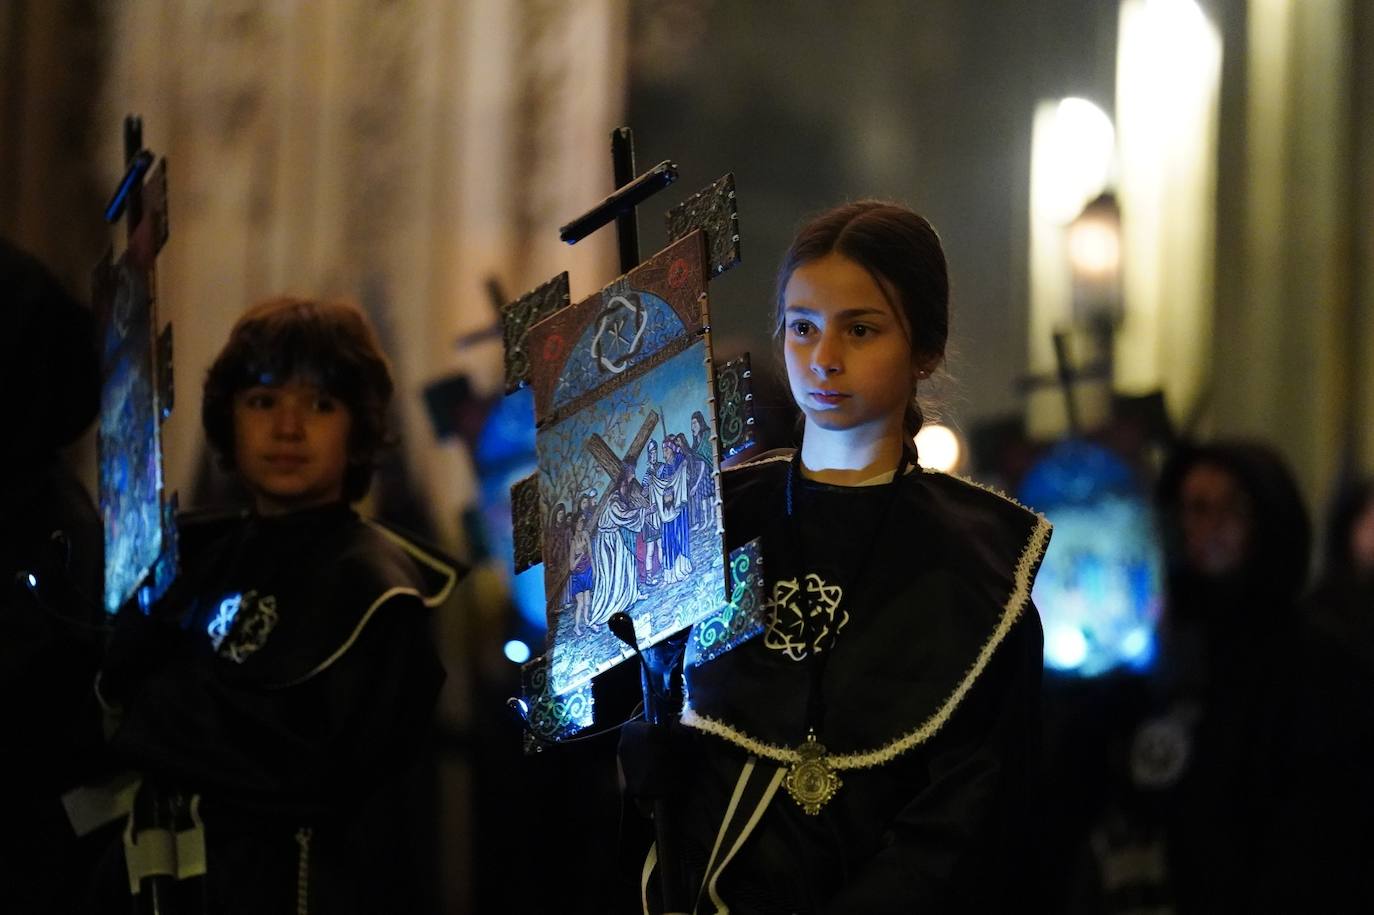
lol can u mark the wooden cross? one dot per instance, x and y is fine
(605, 457)
(601, 453)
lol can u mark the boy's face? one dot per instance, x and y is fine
(291, 445)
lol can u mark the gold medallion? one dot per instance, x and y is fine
(810, 780)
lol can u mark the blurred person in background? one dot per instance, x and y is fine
(1238, 540)
(50, 579)
(1319, 842)
(1193, 771)
(1342, 604)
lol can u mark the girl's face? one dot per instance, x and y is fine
(848, 355)
(697, 427)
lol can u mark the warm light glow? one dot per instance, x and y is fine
(938, 447)
(1177, 37)
(1073, 161)
(1168, 83)
(1072, 154)
(1095, 247)
(517, 652)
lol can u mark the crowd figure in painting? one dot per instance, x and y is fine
(613, 551)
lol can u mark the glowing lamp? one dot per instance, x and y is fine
(1095, 245)
(1093, 241)
(516, 651)
(1072, 158)
(938, 447)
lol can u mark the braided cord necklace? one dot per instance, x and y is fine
(811, 781)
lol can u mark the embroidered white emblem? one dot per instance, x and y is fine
(259, 617)
(789, 612)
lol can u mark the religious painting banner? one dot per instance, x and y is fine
(630, 486)
(135, 399)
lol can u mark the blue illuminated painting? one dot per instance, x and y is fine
(628, 478)
(139, 534)
(628, 486)
(1099, 587)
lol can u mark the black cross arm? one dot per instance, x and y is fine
(624, 200)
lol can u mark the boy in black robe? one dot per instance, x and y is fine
(288, 674)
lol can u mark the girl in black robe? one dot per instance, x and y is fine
(288, 675)
(870, 751)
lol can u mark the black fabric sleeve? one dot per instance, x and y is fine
(139, 646)
(960, 844)
(305, 751)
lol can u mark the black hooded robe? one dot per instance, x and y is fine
(286, 677)
(930, 699)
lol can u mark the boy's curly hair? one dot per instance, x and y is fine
(327, 343)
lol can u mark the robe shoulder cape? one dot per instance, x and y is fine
(300, 590)
(963, 558)
(287, 678)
